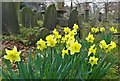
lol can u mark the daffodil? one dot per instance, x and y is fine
(112, 29)
(41, 45)
(49, 37)
(113, 44)
(110, 46)
(66, 37)
(75, 26)
(75, 31)
(92, 50)
(66, 30)
(51, 41)
(103, 44)
(63, 40)
(102, 29)
(70, 41)
(96, 30)
(71, 34)
(56, 34)
(12, 55)
(115, 31)
(74, 48)
(93, 30)
(55, 31)
(64, 52)
(93, 60)
(90, 38)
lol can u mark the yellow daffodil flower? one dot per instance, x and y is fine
(63, 40)
(70, 41)
(75, 31)
(56, 34)
(112, 29)
(74, 47)
(90, 38)
(49, 37)
(93, 60)
(92, 50)
(51, 41)
(66, 30)
(41, 45)
(110, 46)
(12, 55)
(64, 52)
(71, 34)
(66, 37)
(93, 30)
(96, 30)
(103, 44)
(115, 31)
(113, 44)
(55, 31)
(108, 49)
(102, 29)
(75, 26)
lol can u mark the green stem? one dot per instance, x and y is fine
(91, 68)
(51, 55)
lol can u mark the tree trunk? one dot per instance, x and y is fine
(87, 12)
(71, 6)
(106, 11)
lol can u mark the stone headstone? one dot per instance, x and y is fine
(62, 21)
(27, 17)
(9, 18)
(73, 18)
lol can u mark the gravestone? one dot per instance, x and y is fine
(86, 15)
(100, 17)
(50, 17)
(27, 17)
(9, 18)
(73, 18)
(63, 21)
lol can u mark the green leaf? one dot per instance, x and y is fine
(3, 74)
(37, 66)
(13, 76)
(29, 67)
(22, 70)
